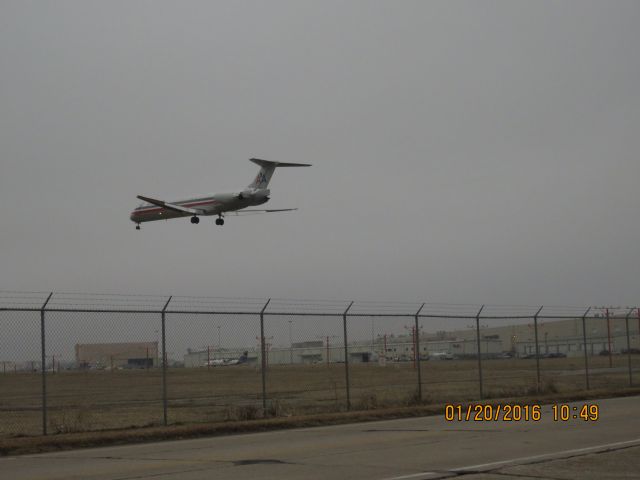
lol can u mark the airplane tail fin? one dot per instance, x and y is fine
(267, 168)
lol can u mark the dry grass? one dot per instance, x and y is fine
(24, 445)
(101, 400)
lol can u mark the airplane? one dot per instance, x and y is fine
(256, 193)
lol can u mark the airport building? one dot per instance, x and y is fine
(554, 337)
(117, 355)
(565, 337)
(398, 349)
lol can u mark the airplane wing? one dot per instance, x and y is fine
(171, 206)
(255, 212)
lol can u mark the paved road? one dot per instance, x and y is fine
(407, 449)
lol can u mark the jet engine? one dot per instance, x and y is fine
(259, 195)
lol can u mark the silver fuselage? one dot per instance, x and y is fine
(213, 204)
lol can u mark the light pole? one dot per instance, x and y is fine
(53, 362)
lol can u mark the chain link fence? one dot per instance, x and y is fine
(78, 362)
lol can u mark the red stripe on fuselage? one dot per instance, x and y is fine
(142, 210)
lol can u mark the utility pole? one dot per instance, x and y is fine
(412, 328)
(326, 338)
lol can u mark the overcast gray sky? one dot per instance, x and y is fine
(462, 151)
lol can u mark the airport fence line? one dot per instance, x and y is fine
(77, 362)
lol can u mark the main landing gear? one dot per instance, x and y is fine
(195, 220)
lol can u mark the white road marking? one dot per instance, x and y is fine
(415, 475)
(521, 460)
(549, 456)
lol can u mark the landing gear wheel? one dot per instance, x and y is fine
(138, 227)
(220, 221)
(195, 220)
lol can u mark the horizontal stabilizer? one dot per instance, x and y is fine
(267, 167)
(170, 206)
(269, 163)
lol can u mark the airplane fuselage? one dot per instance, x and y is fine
(213, 204)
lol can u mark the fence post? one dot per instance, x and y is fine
(164, 364)
(346, 355)
(479, 353)
(584, 344)
(44, 365)
(609, 340)
(263, 360)
(626, 323)
(535, 328)
(417, 337)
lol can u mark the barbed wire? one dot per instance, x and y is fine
(107, 302)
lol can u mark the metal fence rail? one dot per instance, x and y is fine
(145, 360)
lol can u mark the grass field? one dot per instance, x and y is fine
(101, 400)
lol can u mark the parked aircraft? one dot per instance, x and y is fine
(223, 362)
(442, 355)
(216, 362)
(256, 193)
(244, 358)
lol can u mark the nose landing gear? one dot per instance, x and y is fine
(138, 227)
